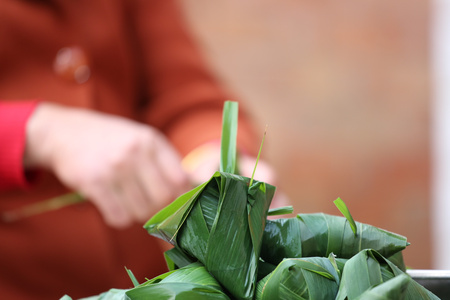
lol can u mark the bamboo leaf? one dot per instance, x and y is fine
(306, 278)
(282, 238)
(42, 206)
(194, 234)
(368, 269)
(229, 136)
(193, 273)
(112, 294)
(238, 228)
(132, 277)
(176, 258)
(190, 282)
(264, 269)
(175, 291)
(334, 263)
(166, 223)
(257, 158)
(360, 273)
(414, 290)
(393, 289)
(321, 234)
(340, 204)
(280, 211)
(397, 259)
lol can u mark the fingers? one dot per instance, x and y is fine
(133, 196)
(168, 162)
(150, 176)
(157, 190)
(109, 205)
(134, 201)
(128, 170)
(159, 173)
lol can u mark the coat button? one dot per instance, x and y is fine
(72, 64)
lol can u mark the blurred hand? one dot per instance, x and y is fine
(201, 164)
(127, 169)
(264, 172)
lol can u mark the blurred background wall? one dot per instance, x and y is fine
(345, 89)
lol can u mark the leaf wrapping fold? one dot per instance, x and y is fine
(302, 278)
(369, 269)
(221, 225)
(190, 282)
(320, 234)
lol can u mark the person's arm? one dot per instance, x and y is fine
(13, 120)
(128, 170)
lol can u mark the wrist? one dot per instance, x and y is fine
(38, 129)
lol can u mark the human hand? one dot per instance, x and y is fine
(264, 172)
(127, 169)
(204, 161)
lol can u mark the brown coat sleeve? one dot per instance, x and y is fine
(185, 99)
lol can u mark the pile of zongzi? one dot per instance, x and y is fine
(225, 248)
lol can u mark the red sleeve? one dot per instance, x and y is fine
(13, 119)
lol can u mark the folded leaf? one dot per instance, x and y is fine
(393, 289)
(303, 278)
(175, 291)
(176, 258)
(112, 294)
(369, 269)
(193, 273)
(190, 282)
(321, 234)
(221, 225)
(229, 137)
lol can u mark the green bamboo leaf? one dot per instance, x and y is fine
(264, 269)
(41, 207)
(238, 228)
(132, 277)
(335, 264)
(397, 259)
(229, 136)
(393, 289)
(368, 269)
(166, 223)
(193, 273)
(112, 294)
(306, 278)
(340, 204)
(321, 234)
(282, 239)
(175, 291)
(194, 234)
(190, 282)
(414, 290)
(360, 273)
(257, 158)
(176, 258)
(277, 211)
